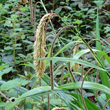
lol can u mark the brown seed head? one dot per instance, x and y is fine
(76, 65)
(39, 45)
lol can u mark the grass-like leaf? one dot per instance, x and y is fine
(47, 89)
(13, 83)
(63, 59)
(86, 85)
(103, 75)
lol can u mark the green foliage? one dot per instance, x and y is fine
(3, 1)
(13, 83)
(46, 89)
(18, 79)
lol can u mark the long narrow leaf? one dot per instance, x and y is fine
(86, 85)
(103, 75)
(65, 47)
(13, 83)
(63, 59)
(47, 89)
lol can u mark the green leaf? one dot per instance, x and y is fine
(14, 16)
(29, 64)
(13, 35)
(8, 48)
(22, 55)
(58, 10)
(1, 67)
(13, 83)
(70, 43)
(47, 89)
(78, 22)
(35, 91)
(4, 71)
(3, 104)
(0, 6)
(65, 97)
(105, 56)
(8, 24)
(86, 85)
(82, 52)
(103, 75)
(26, 41)
(98, 3)
(3, 1)
(73, 61)
(90, 105)
(22, 90)
(41, 91)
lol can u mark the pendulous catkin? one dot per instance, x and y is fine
(24, 1)
(39, 45)
(76, 65)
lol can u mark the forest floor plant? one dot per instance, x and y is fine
(38, 46)
(79, 77)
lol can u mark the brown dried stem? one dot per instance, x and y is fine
(53, 5)
(97, 77)
(51, 53)
(105, 104)
(9, 100)
(76, 65)
(73, 48)
(34, 17)
(82, 88)
(69, 62)
(62, 73)
(73, 79)
(48, 102)
(94, 40)
(97, 70)
(31, 11)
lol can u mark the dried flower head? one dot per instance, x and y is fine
(24, 1)
(39, 45)
(76, 65)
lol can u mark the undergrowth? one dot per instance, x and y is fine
(54, 55)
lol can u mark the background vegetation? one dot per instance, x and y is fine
(81, 55)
